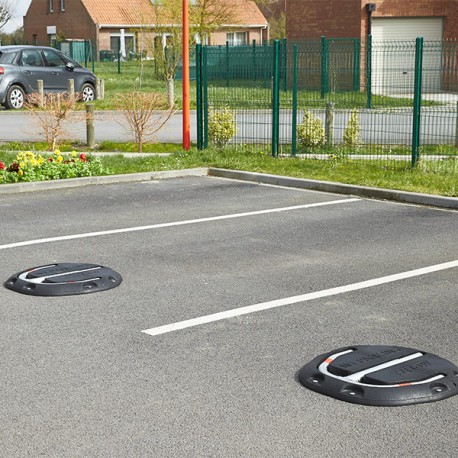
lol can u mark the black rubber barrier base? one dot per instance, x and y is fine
(63, 279)
(381, 375)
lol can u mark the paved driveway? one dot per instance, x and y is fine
(81, 377)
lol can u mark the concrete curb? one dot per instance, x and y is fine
(338, 188)
(277, 180)
(77, 182)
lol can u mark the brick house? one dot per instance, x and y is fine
(399, 20)
(385, 19)
(103, 22)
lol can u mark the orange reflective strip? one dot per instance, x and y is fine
(404, 384)
(328, 360)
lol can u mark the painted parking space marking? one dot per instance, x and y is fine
(173, 224)
(296, 299)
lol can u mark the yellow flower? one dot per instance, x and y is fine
(21, 164)
(20, 172)
(57, 152)
(59, 159)
(74, 154)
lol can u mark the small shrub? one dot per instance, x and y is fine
(311, 133)
(50, 112)
(352, 137)
(146, 114)
(29, 166)
(221, 127)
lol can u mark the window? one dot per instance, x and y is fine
(62, 5)
(51, 6)
(236, 38)
(53, 59)
(31, 58)
(129, 43)
(7, 57)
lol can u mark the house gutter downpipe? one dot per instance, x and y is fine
(370, 8)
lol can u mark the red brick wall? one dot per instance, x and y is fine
(74, 22)
(406, 8)
(348, 18)
(315, 18)
(451, 21)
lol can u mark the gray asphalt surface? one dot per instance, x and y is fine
(108, 126)
(80, 378)
(111, 126)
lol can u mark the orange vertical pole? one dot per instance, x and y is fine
(185, 79)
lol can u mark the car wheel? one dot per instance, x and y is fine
(15, 98)
(87, 93)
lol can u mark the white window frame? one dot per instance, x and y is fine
(126, 35)
(51, 6)
(234, 38)
(62, 5)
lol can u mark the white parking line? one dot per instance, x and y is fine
(172, 224)
(295, 299)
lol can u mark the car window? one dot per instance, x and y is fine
(7, 57)
(31, 58)
(54, 59)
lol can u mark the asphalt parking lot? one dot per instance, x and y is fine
(124, 373)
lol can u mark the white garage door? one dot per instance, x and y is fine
(393, 54)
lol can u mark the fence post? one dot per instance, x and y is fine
(369, 71)
(255, 70)
(92, 56)
(329, 124)
(294, 107)
(275, 99)
(456, 130)
(205, 97)
(71, 87)
(119, 55)
(199, 96)
(324, 67)
(417, 100)
(356, 63)
(40, 91)
(227, 64)
(284, 73)
(90, 137)
(100, 88)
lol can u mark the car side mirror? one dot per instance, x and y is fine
(70, 67)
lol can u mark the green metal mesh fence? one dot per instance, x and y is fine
(338, 98)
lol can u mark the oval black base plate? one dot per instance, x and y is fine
(381, 375)
(63, 279)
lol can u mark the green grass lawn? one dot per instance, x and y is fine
(247, 93)
(431, 177)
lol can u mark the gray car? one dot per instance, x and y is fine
(22, 66)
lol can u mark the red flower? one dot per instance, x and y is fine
(50, 159)
(14, 167)
(83, 157)
(2, 166)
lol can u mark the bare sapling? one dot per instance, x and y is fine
(146, 114)
(50, 113)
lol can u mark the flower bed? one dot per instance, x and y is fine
(29, 166)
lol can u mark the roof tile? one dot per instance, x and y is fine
(136, 12)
